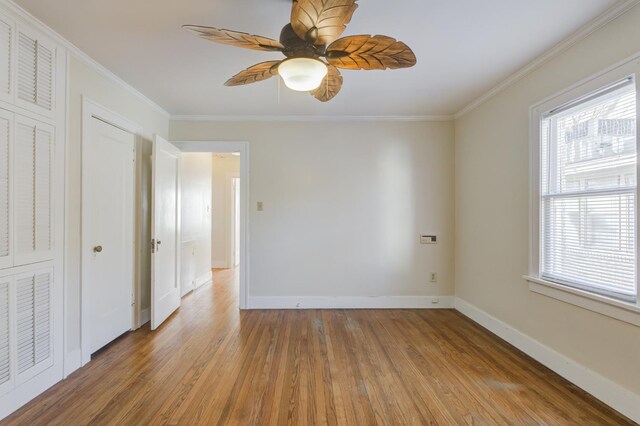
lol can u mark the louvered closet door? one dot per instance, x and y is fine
(6, 346)
(35, 73)
(34, 331)
(32, 201)
(6, 58)
(6, 137)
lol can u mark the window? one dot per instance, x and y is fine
(588, 191)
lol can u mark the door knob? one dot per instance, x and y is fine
(97, 249)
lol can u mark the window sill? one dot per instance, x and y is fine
(627, 312)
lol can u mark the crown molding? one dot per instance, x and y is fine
(28, 18)
(614, 12)
(315, 118)
(611, 14)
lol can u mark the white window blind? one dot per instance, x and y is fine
(588, 193)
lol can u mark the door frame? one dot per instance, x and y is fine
(243, 148)
(231, 249)
(92, 110)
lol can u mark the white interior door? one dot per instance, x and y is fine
(108, 230)
(165, 223)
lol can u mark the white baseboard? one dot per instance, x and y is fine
(220, 264)
(381, 302)
(145, 316)
(72, 361)
(612, 394)
(205, 279)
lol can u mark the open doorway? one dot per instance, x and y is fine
(214, 206)
(210, 221)
(225, 239)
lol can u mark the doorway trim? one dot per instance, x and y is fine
(231, 223)
(91, 110)
(243, 149)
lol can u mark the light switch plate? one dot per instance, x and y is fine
(260, 206)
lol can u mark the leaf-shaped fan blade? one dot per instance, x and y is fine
(259, 72)
(321, 21)
(330, 86)
(370, 53)
(234, 38)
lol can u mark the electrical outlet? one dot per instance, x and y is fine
(434, 277)
(260, 206)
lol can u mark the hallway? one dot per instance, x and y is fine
(211, 364)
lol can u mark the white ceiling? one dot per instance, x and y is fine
(464, 48)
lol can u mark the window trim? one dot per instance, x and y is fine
(625, 311)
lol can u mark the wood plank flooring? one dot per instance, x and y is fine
(210, 364)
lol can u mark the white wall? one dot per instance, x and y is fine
(196, 216)
(492, 213)
(344, 205)
(224, 168)
(83, 80)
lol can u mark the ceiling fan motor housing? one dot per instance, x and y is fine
(295, 47)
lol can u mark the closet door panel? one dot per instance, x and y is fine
(32, 201)
(32, 98)
(35, 72)
(6, 166)
(34, 325)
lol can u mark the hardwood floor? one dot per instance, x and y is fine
(210, 364)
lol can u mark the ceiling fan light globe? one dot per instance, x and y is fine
(303, 74)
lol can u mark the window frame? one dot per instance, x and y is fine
(624, 311)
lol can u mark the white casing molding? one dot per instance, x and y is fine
(612, 394)
(351, 302)
(72, 361)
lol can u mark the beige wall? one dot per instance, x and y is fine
(492, 213)
(196, 214)
(84, 81)
(223, 169)
(344, 205)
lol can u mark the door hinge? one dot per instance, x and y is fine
(153, 245)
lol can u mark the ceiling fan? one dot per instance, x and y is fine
(312, 49)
